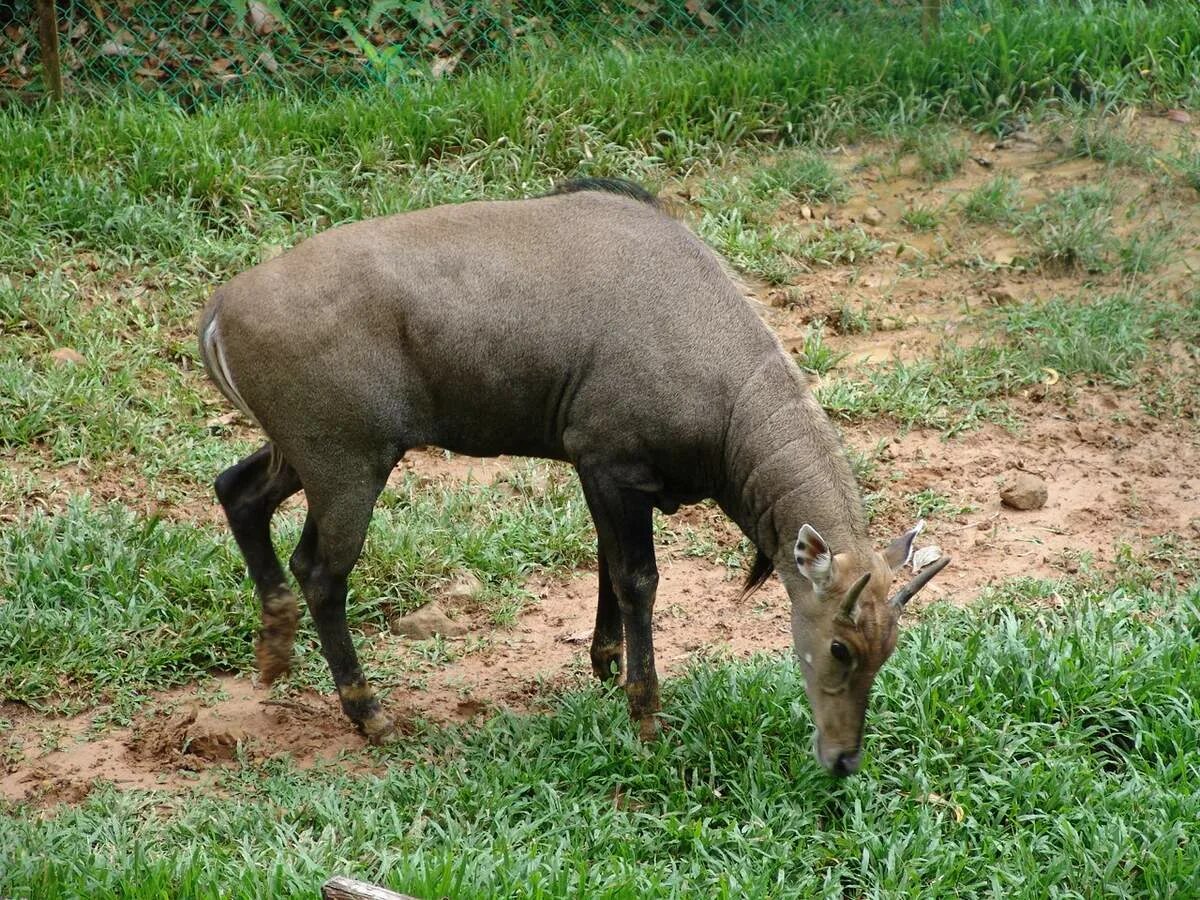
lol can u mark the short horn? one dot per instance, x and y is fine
(906, 593)
(852, 596)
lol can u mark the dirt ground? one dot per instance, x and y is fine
(1115, 476)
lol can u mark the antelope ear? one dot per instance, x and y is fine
(900, 551)
(813, 558)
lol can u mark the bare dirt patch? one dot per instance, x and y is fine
(183, 740)
(1114, 476)
(187, 738)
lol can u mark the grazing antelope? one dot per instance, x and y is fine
(587, 326)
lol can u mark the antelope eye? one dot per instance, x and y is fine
(840, 652)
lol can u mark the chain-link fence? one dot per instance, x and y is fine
(209, 48)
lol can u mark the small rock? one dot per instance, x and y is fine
(465, 587)
(1003, 257)
(1002, 295)
(873, 216)
(1026, 492)
(982, 161)
(1179, 115)
(65, 356)
(806, 212)
(426, 622)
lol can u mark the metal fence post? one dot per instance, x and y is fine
(48, 48)
(931, 18)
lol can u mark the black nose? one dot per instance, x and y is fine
(847, 764)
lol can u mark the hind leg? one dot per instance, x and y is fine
(340, 507)
(608, 638)
(250, 493)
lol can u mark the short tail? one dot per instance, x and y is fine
(213, 355)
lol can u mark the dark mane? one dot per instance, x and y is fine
(609, 186)
(758, 574)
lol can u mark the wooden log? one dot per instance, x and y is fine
(48, 47)
(341, 888)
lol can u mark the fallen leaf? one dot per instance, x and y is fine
(1179, 115)
(218, 66)
(1052, 376)
(222, 422)
(113, 48)
(925, 556)
(267, 61)
(66, 356)
(939, 800)
(444, 65)
(262, 20)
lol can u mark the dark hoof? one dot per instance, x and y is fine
(606, 663)
(379, 730)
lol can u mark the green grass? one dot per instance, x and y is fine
(145, 181)
(1106, 339)
(1073, 228)
(838, 246)
(1142, 253)
(759, 250)
(853, 319)
(931, 503)
(1110, 339)
(137, 342)
(804, 176)
(1100, 138)
(1060, 747)
(1188, 164)
(940, 154)
(814, 354)
(99, 602)
(995, 202)
(953, 388)
(921, 218)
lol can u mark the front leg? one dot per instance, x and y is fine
(624, 528)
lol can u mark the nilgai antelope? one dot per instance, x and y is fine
(586, 325)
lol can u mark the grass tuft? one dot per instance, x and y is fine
(995, 202)
(1073, 228)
